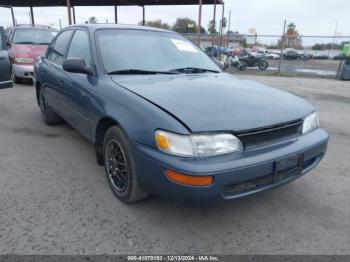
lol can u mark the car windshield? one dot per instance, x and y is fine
(33, 36)
(125, 51)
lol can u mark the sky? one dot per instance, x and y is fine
(312, 17)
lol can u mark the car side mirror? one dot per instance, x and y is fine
(76, 65)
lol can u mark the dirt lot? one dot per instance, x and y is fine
(54, 198)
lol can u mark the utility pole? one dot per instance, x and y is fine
(116, 14)
(282, 47)
(228, 28)
(221, 28)
(199, 22)
(335, 33)
(212, 34)
(69, 12)
(13, 17)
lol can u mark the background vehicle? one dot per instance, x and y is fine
(254, 59)
(234, 62)
(214, 51)
(5, 66)
(338, 57)
(25, 44)
(272, 56)
(292, 54)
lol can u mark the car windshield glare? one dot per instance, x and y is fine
(33, 36)
(124, 50)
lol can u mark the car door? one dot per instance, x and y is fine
(52, 74)
(5, 65)
(77, 88)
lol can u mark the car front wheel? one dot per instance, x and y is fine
(16, 79)
(120, 166)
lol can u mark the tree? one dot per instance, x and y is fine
(157, 23)
(186, 25)
(292, 38)
(92, 20)
(212, 27)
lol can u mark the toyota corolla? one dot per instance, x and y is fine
(166, 120)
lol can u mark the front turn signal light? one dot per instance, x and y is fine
(162, 141)
(189, 180)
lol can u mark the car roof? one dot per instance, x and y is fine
(27, 26)
(94, 27)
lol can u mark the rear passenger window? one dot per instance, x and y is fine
(57, 51)
(80, 47)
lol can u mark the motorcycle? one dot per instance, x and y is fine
(253, 60)
(234, 61)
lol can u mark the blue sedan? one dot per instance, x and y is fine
(166, 120)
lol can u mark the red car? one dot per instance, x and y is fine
(25, 44)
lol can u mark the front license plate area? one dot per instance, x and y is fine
(287, 168)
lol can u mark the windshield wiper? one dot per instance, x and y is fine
(25, 43)
(193, 70)
(139, 72)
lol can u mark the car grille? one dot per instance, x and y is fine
(270, 135)
(274, 178)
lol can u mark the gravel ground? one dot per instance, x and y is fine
(54, 198)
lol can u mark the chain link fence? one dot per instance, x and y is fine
(317, 56)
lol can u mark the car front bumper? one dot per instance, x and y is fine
(235, 175)
(23, 71)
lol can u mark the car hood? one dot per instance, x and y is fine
(217, 102)
(27, 51)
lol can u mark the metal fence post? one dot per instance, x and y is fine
(282, 47)
(221, 28)
(212, 33)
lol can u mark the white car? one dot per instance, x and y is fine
(272, 56)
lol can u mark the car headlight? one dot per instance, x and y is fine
(24, 60)
(197, 145)
(311, 122)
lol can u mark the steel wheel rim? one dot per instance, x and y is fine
(116, 166)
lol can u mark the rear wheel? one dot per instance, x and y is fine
(48, 115)
(120, 166)
(263, 64)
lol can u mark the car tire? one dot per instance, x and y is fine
(16, 79)
(263, 65)
(48, 115)
(120, 166)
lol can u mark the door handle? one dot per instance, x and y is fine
(60, 82)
